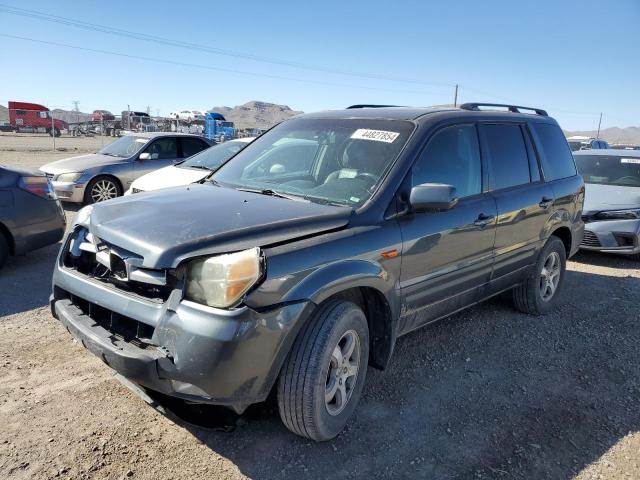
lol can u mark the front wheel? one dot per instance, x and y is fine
(322, 379)
(4, 250)
(101, 189)
(540, 291)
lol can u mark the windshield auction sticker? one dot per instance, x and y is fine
(630, 160)
(375, 135)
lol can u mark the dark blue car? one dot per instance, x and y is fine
(30, 215)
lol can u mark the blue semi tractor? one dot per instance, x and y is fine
(217, 128)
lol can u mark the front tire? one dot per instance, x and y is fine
(322, 379)
(540, 291)
(102, 188)
(4, 250)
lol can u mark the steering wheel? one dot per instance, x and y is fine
(368, 176)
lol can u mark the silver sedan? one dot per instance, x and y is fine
(612, 200)
(109, 172)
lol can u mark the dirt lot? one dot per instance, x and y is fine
(489, 393)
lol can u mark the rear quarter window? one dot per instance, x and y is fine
(557, 160)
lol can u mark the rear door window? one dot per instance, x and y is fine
(557, 160)
(191, 146)
(506, 155)
(163, 148)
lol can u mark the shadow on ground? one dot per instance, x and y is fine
(25, 281)
(606, 260)
(489, 393)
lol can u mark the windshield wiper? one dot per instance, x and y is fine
(272, 193)
(201, 167)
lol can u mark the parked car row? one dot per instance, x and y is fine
(291, 262)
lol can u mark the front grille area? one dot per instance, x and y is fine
(120, 326)
(84, 262)
(590, 239)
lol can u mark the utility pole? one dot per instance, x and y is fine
(599, 123)
(455, 97)
(53, 131)
(128, 117)
(76, 108)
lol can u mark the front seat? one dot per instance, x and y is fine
(358, 157)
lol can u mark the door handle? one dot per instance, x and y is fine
(546, 202)
(483, 220)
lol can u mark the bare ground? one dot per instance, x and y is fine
(488, 393)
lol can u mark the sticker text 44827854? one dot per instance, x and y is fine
(375, 135)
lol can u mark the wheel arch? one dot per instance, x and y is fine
(369, 286)
(564, 234)
(110, 176)
(6, 233)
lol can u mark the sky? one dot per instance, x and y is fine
(572, 58)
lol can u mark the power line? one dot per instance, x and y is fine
(218, 69)
(39, 15)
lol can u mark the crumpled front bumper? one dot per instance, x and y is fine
(201, 354)
(612, 236)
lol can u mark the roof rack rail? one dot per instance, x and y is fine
(369, 106)
(512, 108)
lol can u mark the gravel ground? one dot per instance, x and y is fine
(488, 393)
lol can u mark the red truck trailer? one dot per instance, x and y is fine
(31, 117)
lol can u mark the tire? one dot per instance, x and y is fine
(4, 250)
(529, 297)
(102, 182)
(304, 378)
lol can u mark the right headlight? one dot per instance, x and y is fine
(618, 214)
(222, 281)
(68, 177)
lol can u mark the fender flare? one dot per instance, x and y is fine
(340, 276)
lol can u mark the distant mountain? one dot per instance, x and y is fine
(256, 114)
(613, 134)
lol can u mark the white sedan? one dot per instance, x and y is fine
(187, 115)
(193, 169)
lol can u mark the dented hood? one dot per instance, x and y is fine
(169, 226)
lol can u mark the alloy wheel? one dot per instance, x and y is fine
(342, 373)
(550, 276)
(103, 190)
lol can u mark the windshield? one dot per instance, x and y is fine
(125, 146)
(323, 160)
(215, 156)
(609, 169)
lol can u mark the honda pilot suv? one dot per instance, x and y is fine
(300, 262)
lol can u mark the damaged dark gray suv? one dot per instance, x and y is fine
(302, 260)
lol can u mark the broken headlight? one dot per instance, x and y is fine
(222, 281)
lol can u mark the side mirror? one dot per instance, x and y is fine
(144, 156)
(432, 196)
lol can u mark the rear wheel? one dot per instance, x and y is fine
(4, 250)
(101, 189)
(322, 378)
(540, 292)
